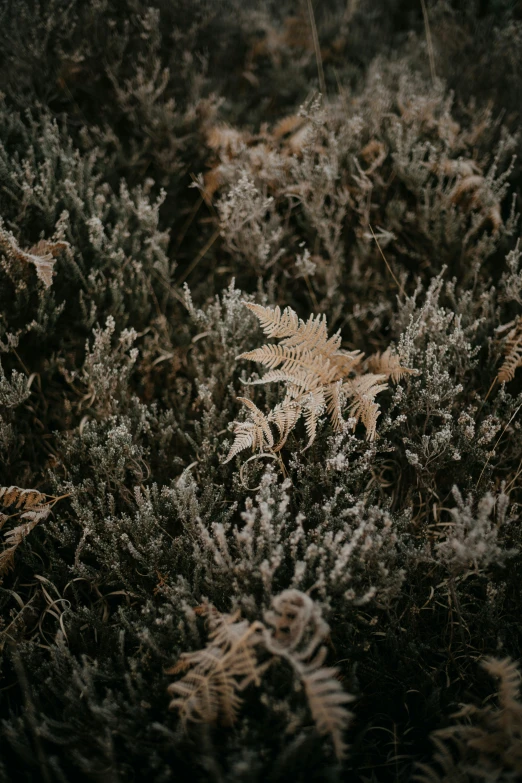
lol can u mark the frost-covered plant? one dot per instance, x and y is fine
(470, 540)
(386, 207)
(250, 227)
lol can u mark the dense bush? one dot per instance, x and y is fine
(356, 165)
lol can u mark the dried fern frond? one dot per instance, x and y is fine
(388, 364)
(209, 690)
(313, 406)
(287, 125)
(297, 635)
(273, 322)
(298, 627)
(363, 408)
(300, 366)
(348, 362)
(14, 537)
(510, 678)
(284, 416)
(311, 335)
(473, 193)
(486, 738)
(41, 256)
(318, 378)
(327, 701)
(335, 398)
(32, 507)
(226, 140)
(21, 498)
(254, 433)
(513, 354)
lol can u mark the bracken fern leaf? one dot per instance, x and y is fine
(319, 376)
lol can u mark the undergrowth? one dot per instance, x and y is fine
(260, 391)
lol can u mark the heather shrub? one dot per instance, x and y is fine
(260, 390)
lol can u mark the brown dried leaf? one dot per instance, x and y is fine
(513, 354)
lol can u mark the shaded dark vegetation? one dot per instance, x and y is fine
(182, 143)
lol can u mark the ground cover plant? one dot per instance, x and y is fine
(260, 391)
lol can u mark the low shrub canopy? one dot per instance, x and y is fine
(260, 390)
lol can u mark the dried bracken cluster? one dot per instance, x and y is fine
(30, 507)
(319, 377)
(208, 692)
